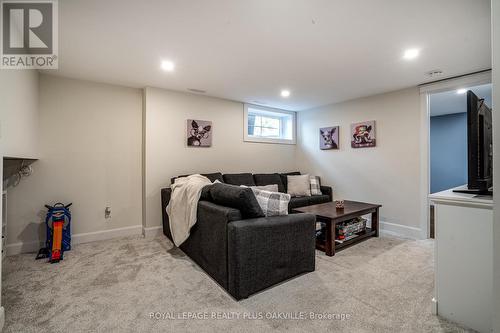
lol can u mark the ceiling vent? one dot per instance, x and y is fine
(435, 73)
(198, 91)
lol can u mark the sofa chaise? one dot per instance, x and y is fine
(246, 255)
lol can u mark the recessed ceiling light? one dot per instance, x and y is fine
(285, 93)
(461, 91)
(167, 65)
(411, 54)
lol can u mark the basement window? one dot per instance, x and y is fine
(269, 125)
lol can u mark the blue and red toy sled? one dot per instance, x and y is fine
(58, 224)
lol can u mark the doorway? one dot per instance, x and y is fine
(444, 119)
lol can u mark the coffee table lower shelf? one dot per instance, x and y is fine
(329, 214)
(362, 236)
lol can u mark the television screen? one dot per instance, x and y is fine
(480, 144)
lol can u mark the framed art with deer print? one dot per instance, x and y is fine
(363, 134)
(199, 133)
(329, 138)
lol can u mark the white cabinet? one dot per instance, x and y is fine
(464, 258)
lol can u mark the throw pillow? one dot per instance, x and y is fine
(315, 185)
(272, 203)
(270, 188)
(299, 186)
(241, 198)
(239, 179)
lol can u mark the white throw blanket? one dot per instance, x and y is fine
(183, 205)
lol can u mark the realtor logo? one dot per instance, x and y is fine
(29, 34)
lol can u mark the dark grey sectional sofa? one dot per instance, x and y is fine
(246, 255)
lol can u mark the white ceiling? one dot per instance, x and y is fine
(450, 102)
(323, 51)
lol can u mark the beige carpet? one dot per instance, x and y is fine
(381, 285)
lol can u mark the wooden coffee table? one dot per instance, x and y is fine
(329, 214)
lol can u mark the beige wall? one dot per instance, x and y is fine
(90, 154)
(167, 155)
(19, 113)
(387, 174)
(496, 163)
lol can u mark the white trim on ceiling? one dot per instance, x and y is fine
(474, 79)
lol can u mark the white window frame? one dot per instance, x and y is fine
(250, 138)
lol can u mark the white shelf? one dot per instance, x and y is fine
(454, 198)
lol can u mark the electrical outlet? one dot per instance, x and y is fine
(107, 213)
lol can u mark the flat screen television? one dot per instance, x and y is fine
(479, 146)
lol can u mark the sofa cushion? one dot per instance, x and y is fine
(211, 176)
(239, 179)
(284, 179)
(298, 202)
(318, 199)
(241, 198)
(262, 179)
(214, 176)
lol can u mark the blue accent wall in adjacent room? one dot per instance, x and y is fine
(448, 151)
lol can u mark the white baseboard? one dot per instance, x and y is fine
(23, 247)
(2, 318)
(152, 232)
(26, 247)
(386, 228)
(434, 306)
(134, 230)
(399, 230)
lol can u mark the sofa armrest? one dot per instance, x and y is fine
(328, 191)
(166, 193)
(215, 213)
(268, 250)
(207, 242)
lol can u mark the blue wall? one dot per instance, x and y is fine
(448, 151)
